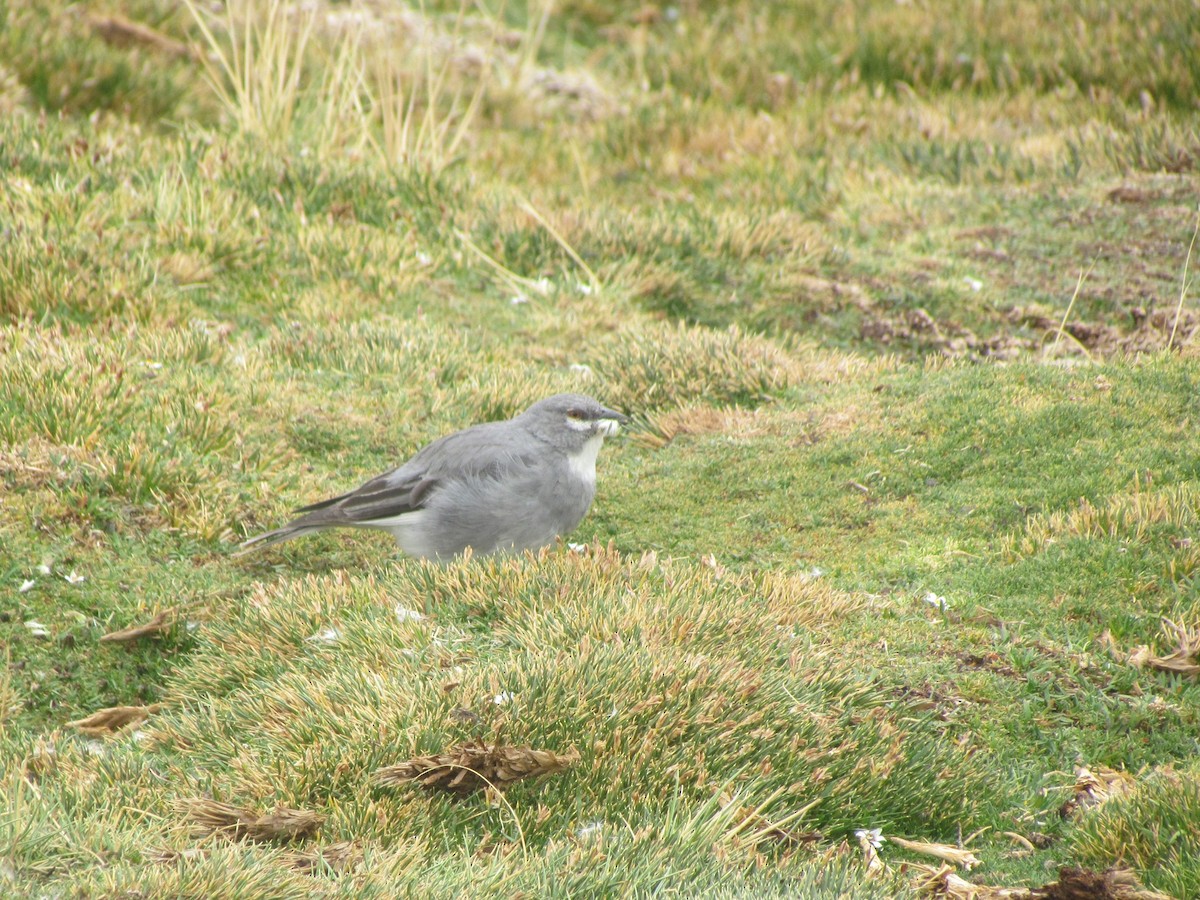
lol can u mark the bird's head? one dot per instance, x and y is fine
(571, 420)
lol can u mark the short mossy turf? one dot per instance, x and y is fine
(898, 298)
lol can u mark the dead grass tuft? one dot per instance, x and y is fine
(959, 856)
(1096, 786)
(476, 766)
(41, 762)
(161, 623)
(115, 718)
(281, 825)
(1183, 660)
(340, 857)
(1073, 884)
(943, 881)
(123, 32)
(752, 827)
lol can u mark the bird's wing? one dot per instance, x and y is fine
(484, 451)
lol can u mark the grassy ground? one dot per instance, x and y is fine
(893, 292)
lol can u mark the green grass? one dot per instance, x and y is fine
(819, 252)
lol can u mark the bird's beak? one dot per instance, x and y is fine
(610, 421)
(613, 415)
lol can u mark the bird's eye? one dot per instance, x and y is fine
(575, 414)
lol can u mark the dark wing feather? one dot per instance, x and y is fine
(313, 507)
(380, 498)
(383, 499)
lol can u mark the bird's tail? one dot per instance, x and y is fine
(278, 536)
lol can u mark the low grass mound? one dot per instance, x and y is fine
(692, 695)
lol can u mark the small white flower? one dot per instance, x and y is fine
(874, 836)
(815, 572)
(503, 698)
(73, 578)
(424, 259)
(153, 366)
(934, 600)
(26, 585)
(581, 369)
(518, 299)
(95, 748)
(37, 629)
(973, 283)
(43, 570)
(577, 548)
(326, 636)
(542, 286)
(191, 625)
(585, 289)
(240, 360)
(404, 614)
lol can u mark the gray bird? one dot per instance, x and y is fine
(499, 487)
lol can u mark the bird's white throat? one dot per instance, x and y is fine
(583, 463)
(602, 427)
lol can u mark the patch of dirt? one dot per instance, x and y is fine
(1150, 331)
(1128, 193)
(928, 698)
(988, 662)
(918, 327)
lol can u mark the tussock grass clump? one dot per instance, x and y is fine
(1152, 828)
(682, 675)
(1134, 516)
(129, 428)
(668, 366)
(704, 704)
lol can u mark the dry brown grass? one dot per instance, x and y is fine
(475, 767)
(282, 825)
(115, 718)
